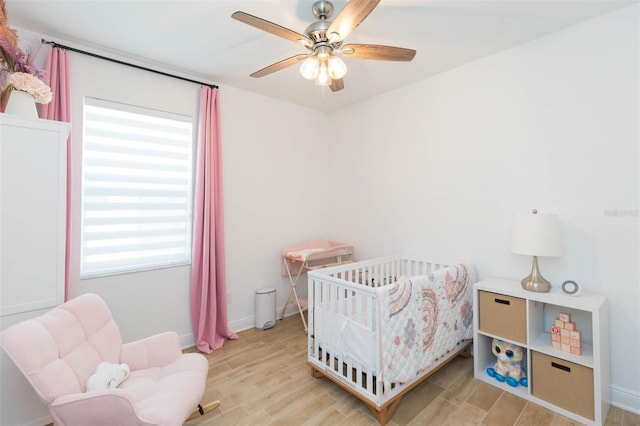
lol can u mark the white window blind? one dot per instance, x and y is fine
(136, 188)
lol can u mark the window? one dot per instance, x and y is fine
(136, 188)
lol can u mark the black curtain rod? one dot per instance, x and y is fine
(84, 52)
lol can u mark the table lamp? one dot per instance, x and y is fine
(536, 234)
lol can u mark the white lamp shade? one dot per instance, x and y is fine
(536, 235)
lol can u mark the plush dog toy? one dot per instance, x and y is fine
(508, 363)
(107, 376)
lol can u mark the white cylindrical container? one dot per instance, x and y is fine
(265, 308)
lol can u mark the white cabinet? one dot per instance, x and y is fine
(32, 242)
(576, 386)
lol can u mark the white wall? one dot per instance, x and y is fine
(440, 167)
(275, 166)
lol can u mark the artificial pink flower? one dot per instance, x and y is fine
(32, 85)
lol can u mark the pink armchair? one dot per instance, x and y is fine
(58, 352)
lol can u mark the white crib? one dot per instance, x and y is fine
(348, 342)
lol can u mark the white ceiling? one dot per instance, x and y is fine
(201, 40)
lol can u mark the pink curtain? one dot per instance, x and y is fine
(208, 281)
(59, 109)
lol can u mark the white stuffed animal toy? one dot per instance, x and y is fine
(107, 376)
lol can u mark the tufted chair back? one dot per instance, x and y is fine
(66, 343)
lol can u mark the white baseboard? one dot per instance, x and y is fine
(250, 322)
(41, 421)
(188, 341)
(625, 398)
(242, 324)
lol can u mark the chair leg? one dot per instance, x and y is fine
(201, 411)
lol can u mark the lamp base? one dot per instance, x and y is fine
(535, 281)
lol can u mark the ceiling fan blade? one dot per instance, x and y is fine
(272, 28)
(349, 18)
(278, 66)
(336, 85)
(378, 52)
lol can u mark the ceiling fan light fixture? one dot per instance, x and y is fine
(310, 68)
(337, 67)
(322, 52)
(323, 79)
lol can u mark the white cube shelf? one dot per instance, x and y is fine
(576, 386)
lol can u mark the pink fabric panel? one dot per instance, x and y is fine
(320, 244)
(208, 276)
(115, 408)
(167, 395)
(153, 351)
(34, 352)
(59, 109)
(57, 69)
(83, 361)
(107, 341)
(98, 333)
(55, 379)
(72, 348)
(65, 330)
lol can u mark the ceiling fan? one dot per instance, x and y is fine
(324, 39)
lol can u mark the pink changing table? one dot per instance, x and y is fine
(311, 255)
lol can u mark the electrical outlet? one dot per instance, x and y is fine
(228, 298)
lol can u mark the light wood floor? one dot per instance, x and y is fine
(263, 379)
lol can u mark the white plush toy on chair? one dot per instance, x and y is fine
(107, 376)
